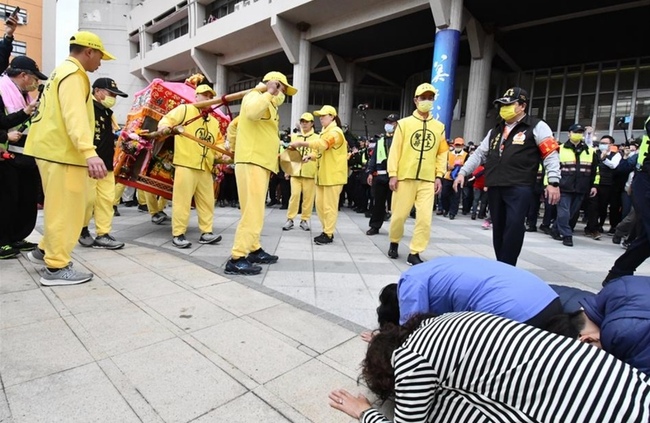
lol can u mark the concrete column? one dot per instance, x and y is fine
(482, 48)
(301, 80)
(346, 95)
(221, 82)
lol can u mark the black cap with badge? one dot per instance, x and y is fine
(576, 127)
(24, 63)
(393, 117)
(513, 95)
(109, 85)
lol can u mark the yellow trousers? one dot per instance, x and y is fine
(119, 190)
(421, 194)
(252, 185)
(99, 203)
(190, 183)
(65, 191)
(327, 206)
(155, 203)
(306, 187)
(140, 196)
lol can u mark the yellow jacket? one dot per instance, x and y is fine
(307, 169)
(258, 139)
(64, 128)
(333, 156)
(419, 149)
(188, 153)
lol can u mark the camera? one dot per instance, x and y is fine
(363, 106)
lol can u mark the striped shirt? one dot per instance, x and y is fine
(475, 367)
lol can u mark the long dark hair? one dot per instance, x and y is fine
(376, 369)
(388, 310)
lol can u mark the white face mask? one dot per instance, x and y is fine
(603, 147)
(389, 128)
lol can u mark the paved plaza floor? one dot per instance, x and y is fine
(163, 335)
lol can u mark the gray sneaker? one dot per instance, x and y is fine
(287, 226)
(159, 218)
(181, 242)
(304, 225)
(107, 242)
(65, 276)
(36, 256)
(85, 239)
(209, 238)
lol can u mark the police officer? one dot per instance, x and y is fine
(579, 171)
(378, 175)
(512, 152)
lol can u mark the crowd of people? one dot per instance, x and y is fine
(457, 336)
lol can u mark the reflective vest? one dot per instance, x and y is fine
(578, 168)
(645, 144)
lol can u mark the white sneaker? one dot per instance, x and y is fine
(107, 242)
(85, 239)
(287, 226)
(304, 225)
(181, 242)
(65, 276)
(209, 238)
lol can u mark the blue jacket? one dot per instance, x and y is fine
(570, 297)
(448, 284)
(622, 311)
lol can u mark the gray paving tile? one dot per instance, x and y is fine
(245, 409)
(238, 299)
(188, 311)
(179, 383)
(146, 284)
(24, 307)
(313, 380)
(93, 296)
(39, 349)
(19, 280)
(257, 353)
(304, 327)
(83, 395)
(123, 329)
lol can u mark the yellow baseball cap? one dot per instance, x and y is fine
(307, 116)
(204, 88)
(88, 39)
(424, 88)
(279, 76)
(325, 110)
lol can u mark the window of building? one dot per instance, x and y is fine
(173, 31)
(641, 109)
(570, 110)
(220, 8)
(20, 48)
(6, 10)
(604, 111)
(586, 112)
(553, 112)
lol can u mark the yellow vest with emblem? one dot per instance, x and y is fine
(64, 139)
(307, 169)
(332, 161)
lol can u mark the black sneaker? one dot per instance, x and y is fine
(142, 208)
(24, 245)
(531, 228)
(323, 238)
(616, 239)
(556, 236)
(7, 252)
(545, 229)
(261, 256)
(568, 241)
(392, 250)
(414, 259)
(241, 266)
(372, 231)
(116, 212)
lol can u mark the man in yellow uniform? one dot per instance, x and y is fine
(101, 192)
(302, 181)
(332, 170)
(416, 164)
(256, 156)
(61, 140)
(193, 164)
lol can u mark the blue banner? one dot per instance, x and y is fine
(445, 59)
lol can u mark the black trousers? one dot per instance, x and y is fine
(609, 196)
(381, 195)
(639, 249)
(449, 199)
(19, 193)
(508, 209)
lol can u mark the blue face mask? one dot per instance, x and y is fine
(603, 147)
(389, 128)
